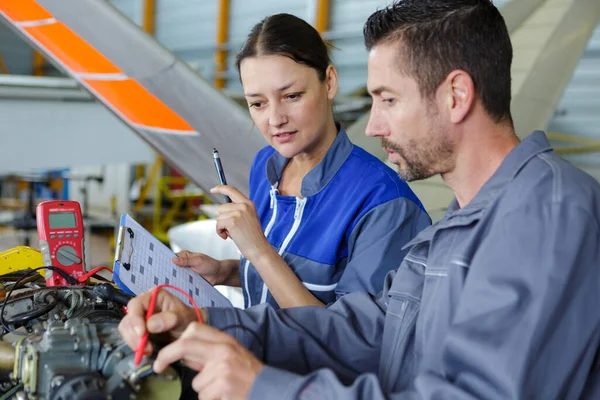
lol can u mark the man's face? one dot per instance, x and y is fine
(411, 128)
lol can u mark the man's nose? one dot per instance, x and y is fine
(375, 127)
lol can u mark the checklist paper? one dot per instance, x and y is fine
(143, 262)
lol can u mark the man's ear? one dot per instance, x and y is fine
(459, 95)
(331, 80)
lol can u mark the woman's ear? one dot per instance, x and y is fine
(331, 81)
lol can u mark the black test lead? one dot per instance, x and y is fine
(220, 171)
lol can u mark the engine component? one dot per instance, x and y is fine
(79, 360)
(7, 356)
(62, 343)
(34, 308)
(108, 292)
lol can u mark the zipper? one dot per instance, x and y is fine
(298, 212)
(273, 194)
(273, 206)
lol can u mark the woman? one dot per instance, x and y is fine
(324, 217)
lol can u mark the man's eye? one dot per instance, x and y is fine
(389, 102)
(255, 105)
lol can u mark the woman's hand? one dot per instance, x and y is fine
(239, 221)
(214, 271)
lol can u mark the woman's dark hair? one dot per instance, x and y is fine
(289, 36)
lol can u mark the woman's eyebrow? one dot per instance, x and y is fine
(281, 89)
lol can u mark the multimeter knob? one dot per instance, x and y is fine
(66, 255)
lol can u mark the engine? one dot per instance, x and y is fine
(79, 360)
(62, 343)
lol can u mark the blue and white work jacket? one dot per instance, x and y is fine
(346, 231)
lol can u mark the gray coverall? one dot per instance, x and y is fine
(499, 300)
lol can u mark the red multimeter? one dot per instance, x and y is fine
(60, 230)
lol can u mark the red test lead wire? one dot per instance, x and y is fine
(83, 278)
(139, 351)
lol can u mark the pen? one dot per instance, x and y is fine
(220, 171)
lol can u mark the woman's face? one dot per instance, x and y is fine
(288, 102)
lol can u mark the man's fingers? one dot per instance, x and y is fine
(133, 325)
(198, 344)
(206, 383)
(172, 353)
(163, 322)
(207, 333)
(137, 305)
(183, 349)
(132, 328)
(234, 194)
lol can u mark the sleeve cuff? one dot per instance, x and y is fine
(220, 318)
(275, 384)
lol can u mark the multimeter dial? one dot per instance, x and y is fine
(67, 255)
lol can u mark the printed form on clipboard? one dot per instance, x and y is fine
(143, 262)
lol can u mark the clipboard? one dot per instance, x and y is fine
(143, 262)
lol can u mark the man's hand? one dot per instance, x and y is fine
(210, 269)
(171, 315)
(227, 369)
(239, 221)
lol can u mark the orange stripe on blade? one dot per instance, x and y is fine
(71, 50)
(137, 105)
(24, 10)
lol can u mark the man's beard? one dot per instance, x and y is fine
(421, 161)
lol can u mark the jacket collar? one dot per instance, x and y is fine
(534, 144)
(531, 146)
(318, 177)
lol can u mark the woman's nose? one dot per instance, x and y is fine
(277, 116)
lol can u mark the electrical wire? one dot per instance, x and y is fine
(83, 278)
(76, 300)
(142, 344)
(3, 322)
(11, 392)
(35, 313)
(139, 351)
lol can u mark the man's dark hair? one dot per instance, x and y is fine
(439, 36)
(290, 36)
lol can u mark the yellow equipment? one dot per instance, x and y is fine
(20, 258)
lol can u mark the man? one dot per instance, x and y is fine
(499, 300)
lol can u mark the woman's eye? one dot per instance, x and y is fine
(255, 105)
(294, 96)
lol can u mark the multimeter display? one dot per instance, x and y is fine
(59, 220)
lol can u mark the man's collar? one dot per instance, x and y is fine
(530, 147)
